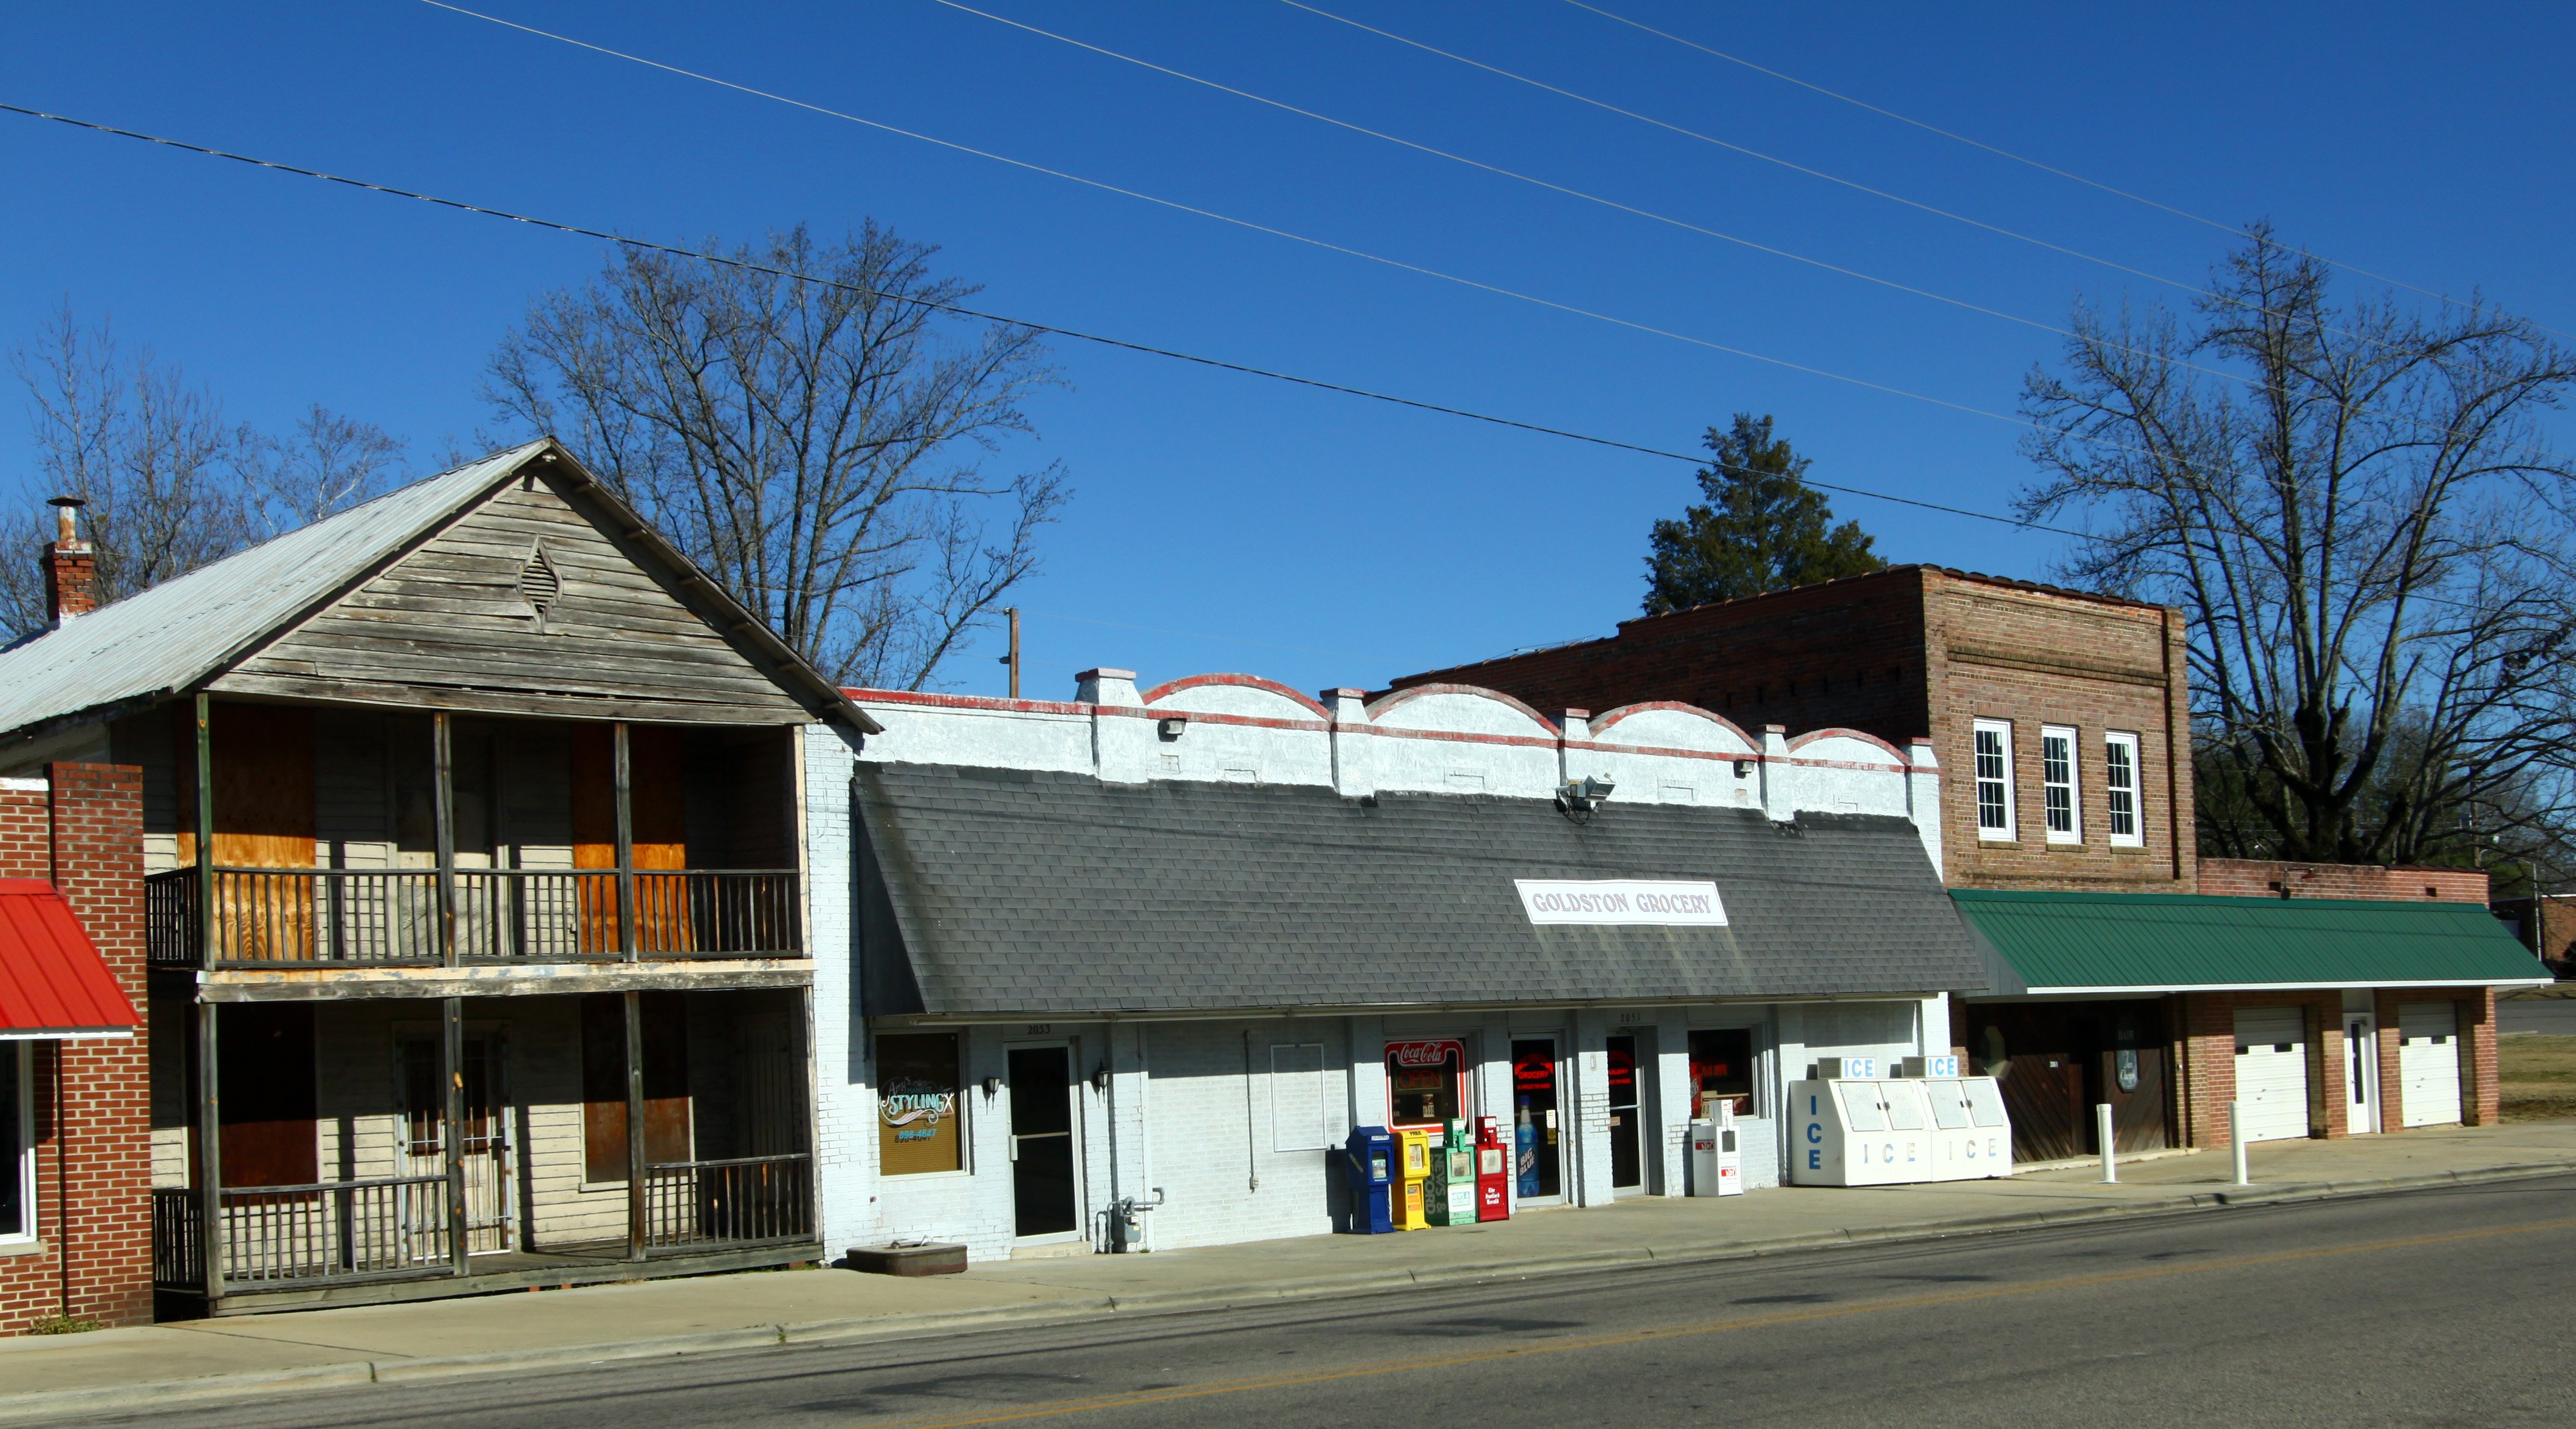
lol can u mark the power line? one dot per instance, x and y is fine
(2165, 358)
(1248, 224)
(958, 310)
(2003, 153)
(1533, 180)
(1751, 153)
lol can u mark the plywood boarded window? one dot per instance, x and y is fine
(603, 1082)
(657, 803)
(919, 1127)
(264, 1066)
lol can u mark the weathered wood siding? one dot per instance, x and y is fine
(448, 627)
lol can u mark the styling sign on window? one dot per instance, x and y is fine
(918, 1126)
(1994, 779)
(2057, 784)
(2120, 789)
(1425, 1082)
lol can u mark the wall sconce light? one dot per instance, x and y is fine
(1743, 768)
(1172, 725)
(1581, 796)
(992, 1086)
(1100, 1078)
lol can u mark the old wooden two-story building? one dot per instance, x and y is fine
(476, 911)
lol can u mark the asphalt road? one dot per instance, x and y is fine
(2426, 1308)
(2556, 1015)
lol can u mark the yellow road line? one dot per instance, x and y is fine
(1710, 1327)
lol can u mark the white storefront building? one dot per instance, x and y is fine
(1169, 947)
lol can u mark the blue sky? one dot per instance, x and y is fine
(1321, 540)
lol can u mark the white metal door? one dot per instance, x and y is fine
(2361, 1072)
(2272, 1072)
(2428, 1063)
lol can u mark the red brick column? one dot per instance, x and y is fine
(2392, 1080)
(2209, 1058)
(94, 1169)
(2482, 1100)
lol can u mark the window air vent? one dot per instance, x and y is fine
(539, 585)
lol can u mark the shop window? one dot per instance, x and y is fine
(2057, 784)
(1425, 1082)
(17, 1143)
(1721, 1065)
(920, 1127)
(1994, 779)
(2120, 789)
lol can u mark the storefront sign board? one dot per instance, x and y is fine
(1621, 902)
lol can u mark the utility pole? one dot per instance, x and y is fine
(1013, 659)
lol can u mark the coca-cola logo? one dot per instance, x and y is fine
(1424, 1054)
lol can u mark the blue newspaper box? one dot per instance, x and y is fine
(1369, 1160)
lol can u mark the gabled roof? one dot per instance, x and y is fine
(2180, 942)
(183, 632)
(995, 892)
(53, 983)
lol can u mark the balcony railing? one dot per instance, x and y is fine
(300, 917)
(747, 1200)
(276, 1236)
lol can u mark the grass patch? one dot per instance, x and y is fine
(2536, 1076)
(62, 1325)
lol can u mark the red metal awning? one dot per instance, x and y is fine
(53, 983)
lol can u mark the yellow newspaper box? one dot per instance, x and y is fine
(1412, 1172)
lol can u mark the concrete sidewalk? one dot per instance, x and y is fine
(109, 1370)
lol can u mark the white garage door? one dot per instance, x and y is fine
(2272, 1072)
(2428, 1063)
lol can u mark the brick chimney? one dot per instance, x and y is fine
(71, 567)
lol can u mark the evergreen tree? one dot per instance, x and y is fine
(1763, 528)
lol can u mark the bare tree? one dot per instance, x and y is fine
(815, 442)
(330, 464)
(2355, 507)
(151, 454)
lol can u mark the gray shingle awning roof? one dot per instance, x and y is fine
(1004, 892)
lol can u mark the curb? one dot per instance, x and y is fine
(103, 1399)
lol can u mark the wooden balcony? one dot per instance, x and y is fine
(336, 917)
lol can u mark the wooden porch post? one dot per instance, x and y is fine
(444, 769)
(625, 852)
(451, 1090)
(635, 1162)
(210, 1120)
(205, 833)
(210, 1153)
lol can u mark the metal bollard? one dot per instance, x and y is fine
(2102, 1130)
(2236, 1135)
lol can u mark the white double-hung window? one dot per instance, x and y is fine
(2057, 784)
(1994, 779)
(17, 1145)
(2120, 790)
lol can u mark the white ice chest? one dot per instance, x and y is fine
(1849, 1126)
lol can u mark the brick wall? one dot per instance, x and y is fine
(2266, 878)
(1916, 651)
(83, 831)
(2557, 940)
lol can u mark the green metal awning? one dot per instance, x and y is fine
(2104, 943)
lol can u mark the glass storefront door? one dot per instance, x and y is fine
(1538, 1144)
(1627, 1126)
